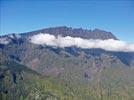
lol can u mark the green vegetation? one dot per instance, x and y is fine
(20, 83)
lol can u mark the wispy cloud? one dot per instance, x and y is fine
(68, 41)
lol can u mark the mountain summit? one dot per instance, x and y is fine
(75, 32)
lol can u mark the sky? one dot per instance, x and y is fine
(116, 16)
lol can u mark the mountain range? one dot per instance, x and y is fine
(31, 71)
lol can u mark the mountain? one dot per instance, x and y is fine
(76, 32)
(74, 73)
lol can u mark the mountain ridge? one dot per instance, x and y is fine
(75, 32)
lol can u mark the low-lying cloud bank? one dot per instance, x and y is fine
(4, 40)
(59, 41)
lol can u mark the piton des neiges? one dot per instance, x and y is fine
(39, 71)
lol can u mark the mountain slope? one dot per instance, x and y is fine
(18, 83)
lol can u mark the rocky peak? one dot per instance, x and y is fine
(74, 32)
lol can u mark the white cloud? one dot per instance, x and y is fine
(7, 39)
(68, 41)
(4, 40)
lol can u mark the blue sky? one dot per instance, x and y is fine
(116, 16)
